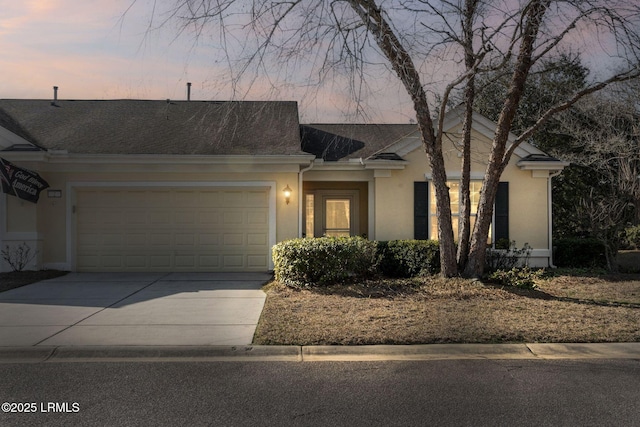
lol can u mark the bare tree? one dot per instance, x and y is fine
(406, 36)
(605, 133)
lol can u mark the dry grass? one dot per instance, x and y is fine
(434, 310)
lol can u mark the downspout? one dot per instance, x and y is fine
(550, 209)
(301, 196)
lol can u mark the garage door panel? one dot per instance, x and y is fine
(232, 261)
(185, 199)
(208, 240)
(158, 198)
(209, 217)
(185, 217)
(136, 240)
(160, 217)
(233, 217)
(210, 199)
(112, 261)
(256, 261)
(257, 239)
(135, 216)
(160, 239)
(209, 262)
(189, 229)
(257, 198)
(136, 262)
(185, 261)
(233, 239)
(160, 262)
(232, 198)
(259, 218)
(109, 239)
(131, 198)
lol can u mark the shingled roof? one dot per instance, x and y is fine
(351, 141)
(156, 127)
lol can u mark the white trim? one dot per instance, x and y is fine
(8, 138)
(61, 266)
(71, 202)
(301, 201)
(174, 159)
(22, 235)
(339, 166)
(454, 117)
(551, 165)
(550, 212)
(371, 211)
(475, 176)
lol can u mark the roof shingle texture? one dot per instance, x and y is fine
(351, 141)
(156, 127)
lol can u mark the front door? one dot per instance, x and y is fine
(331, 213)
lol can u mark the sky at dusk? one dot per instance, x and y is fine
(91, 51)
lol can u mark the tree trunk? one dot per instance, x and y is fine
(497, 159)
(448, 264)
(406, 71)
(464, 224)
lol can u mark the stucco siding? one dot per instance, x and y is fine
(528, 214)
(52, 220)
(528, 197)
(394, 198)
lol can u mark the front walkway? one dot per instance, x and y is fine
(134, 309)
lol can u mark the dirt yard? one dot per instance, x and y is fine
(433, 310)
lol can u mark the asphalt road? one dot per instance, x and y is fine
(391, 393)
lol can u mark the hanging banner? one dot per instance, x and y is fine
(19, 182)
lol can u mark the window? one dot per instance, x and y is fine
(456, 199)
(337, 217)
(309, 210)
(331, 213)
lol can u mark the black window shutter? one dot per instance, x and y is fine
(502, 212)
(421, 210)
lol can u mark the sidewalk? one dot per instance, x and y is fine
(321, 353)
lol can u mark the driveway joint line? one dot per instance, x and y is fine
(100, 311)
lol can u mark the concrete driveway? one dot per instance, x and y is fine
(121, 309)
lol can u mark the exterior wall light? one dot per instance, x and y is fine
(287, 194)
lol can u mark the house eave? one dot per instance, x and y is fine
(177, 159)
(552, 165)
(385, 164)
(359, 164)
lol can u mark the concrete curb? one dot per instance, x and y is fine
(424, 352)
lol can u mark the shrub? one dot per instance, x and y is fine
(632, 237)
(523, 278)
(18, 257)
(579, 253)
(507, 256)
(324, 260)
(409, 258)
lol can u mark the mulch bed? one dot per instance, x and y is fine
(15, 279)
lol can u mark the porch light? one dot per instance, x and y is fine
(287, 194)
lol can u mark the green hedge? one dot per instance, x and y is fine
(632, 237)
(328, 260)
(323, 260)
(579, 253)
(409, 258)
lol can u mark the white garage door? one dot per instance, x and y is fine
(172, 229)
